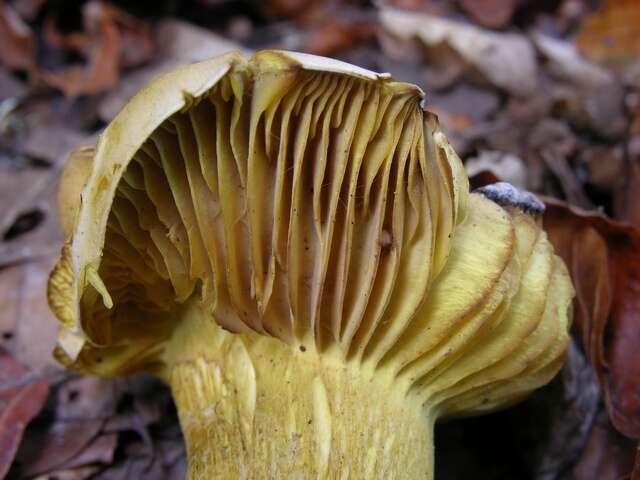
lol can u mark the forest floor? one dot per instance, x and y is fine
(542, 94)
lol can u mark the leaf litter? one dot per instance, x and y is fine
(545, 95)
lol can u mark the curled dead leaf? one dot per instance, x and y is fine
(17, 45)
(506, 60)
(611, 35)
(111, 40)
(18, 405)
(604, 259)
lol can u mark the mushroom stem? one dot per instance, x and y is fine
(263, 409)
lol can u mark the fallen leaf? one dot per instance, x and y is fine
(603, 257)
(571, 186)
(506, 60)
(289, 8)
(178, 43)
(81, 473)
(102, 69)
(86, 398)
(111, 40)
(29, 225)
(140, 468)
(336, 35)
(632, 104)
(17, 45)
(138, 43)
(17, 407)
(600, 111)
(490, 13)
(10, 87)
(80, 42)
(27, 323)
(566, 63)
(28, 217)
(100, 451)
(605, 167)
(474, 102)
(432, 7)
(53, 448)
(611, 35)
(627, 201)
(456, 125)
(510, 132)
(510, 168)
(551, 142)
(607, 454)
(28, 9)
(74, 439)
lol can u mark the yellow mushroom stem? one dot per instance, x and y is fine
(254, 408)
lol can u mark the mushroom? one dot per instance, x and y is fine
(289, 242)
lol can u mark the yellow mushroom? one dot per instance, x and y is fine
(289, 242)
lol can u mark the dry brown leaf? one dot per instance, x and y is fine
(506, 60)
(111, 40)
(81, 473)
(83, 406)
(140, 468)
(28, 9)
(10, 87)
(510, 168)
(490, 13)
(28, 327)
(86, 397)
(432, 7)
(102, 69)
(337, 35)
(477, 103)
(55, 447)
(289, 8)
(455, 124)
(29, 227)
(100, 451)
(178, 43)
(605, 167)
(571, 186)
(607, 454)
(611, 35)
(17, 45)
(17, 407)
(566, 63)
(604, 259)
(77, 41)
(627, 196)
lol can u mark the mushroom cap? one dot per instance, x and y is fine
(306, 199)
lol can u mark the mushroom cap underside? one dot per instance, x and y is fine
(305, 200)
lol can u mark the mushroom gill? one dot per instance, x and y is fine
(289, 242)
